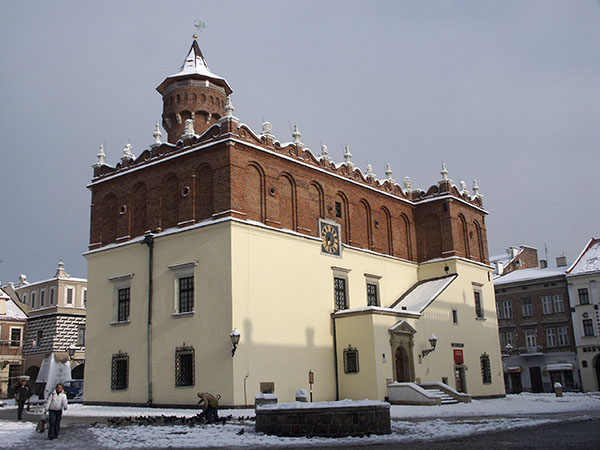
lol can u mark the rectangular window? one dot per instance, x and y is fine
(15, 337)
(40, 338)
(184, 366)
(33, 299)
(70, 295)
(119, 371)
(547, 304)
(499, 311)
(584, 298)
(186, 294)
(454, 316)
(486, 370)
(510, 338)
(563, 337)
(24, 297)
(527, 307)
(339, 286)
(531, 340)
(42, 298)
(372, 299)
(338, 209)
(502, 341)
(124, 301)
(351, 360)
(559, 305)
(84, 295)
(588, 327)
(51, 294)
(478, 305)
(507, 309)
(81, 337)
(550, 337)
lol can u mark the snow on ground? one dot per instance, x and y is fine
(515, 404)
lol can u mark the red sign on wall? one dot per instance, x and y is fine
(458, 357)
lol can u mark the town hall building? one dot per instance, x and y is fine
(227, 261)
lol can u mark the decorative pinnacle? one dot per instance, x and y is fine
(444, 172)
(229, 107)
(189, 128)
(476, 188)
(370, 171)
(388, 172)
(348, 156)
(407, 184)
(324, 152)
(296, 134)
(463, 187)
(266, 129)
(101, 155)
(157, 135)
(127, 153)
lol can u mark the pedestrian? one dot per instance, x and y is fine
(57, 402)
(22, 395)
(209, 406)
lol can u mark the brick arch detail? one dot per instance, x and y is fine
(288, 204)
(256, 201)
(169, 201)
(139, 209)
(388, 244)
(465, 236)
(479, 237)
(433, 236)
(345, 219)
(203, 192)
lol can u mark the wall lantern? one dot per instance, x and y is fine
(235, 339)
(433, 341)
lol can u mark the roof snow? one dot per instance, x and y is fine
(422, 294)
(530, 274)
(11, 310)
(589, 259)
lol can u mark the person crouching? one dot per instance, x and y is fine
(57, 402)
(209, 406)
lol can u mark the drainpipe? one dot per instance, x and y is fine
(149, 241)
(337, 383)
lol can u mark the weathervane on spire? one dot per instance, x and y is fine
(199, 25)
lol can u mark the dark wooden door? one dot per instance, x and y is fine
(459, 376)
(401, 365)
(515, 381)
(536, 379)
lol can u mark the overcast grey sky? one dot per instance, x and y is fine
(507, 92)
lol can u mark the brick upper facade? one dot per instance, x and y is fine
(230, 171)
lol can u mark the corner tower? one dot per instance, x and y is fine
(192, 93)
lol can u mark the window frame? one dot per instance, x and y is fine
(588, 326)
(558, 303)
(454, 316)
(547, 304)
(81, 336)
(372, 280)
(551, 339)
(583, 293)
(562, 336)
(181, 379)
(12, 341)
(183, 271)
(478, 299)
(486, 369)
(42, 298)
(33, 298)
(529, 305)
(341, 274)
(349, 365)
(531, 339)
(115, 379)
(121, 282)
(51, 295)
(507, 311)
(70, 290)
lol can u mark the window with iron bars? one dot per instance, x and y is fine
(339, 285)
(186, 294)
(120, 371)
(185, 366)
(486, 370)
(351, 360)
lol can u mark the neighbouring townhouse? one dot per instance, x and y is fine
(583, 278)
(534, 324)
(224, 260)
(12, 327)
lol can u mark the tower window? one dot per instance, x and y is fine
(338, 209)
(351, 360)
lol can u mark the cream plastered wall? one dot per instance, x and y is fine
(207, 329)
(283, 300)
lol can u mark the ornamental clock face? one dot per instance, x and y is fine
(330, 238)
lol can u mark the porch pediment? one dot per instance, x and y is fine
(402, 327)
